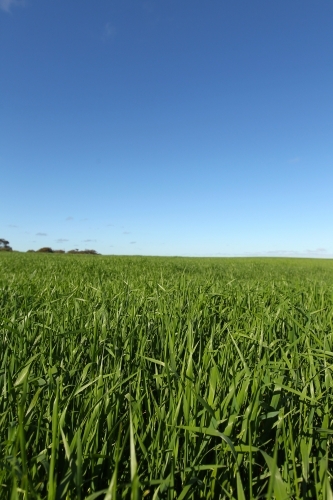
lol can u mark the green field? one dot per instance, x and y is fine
(165, 378)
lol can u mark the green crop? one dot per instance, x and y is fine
(165, 378)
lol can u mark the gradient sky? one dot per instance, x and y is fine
(167, 127)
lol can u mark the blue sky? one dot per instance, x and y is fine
(167, 127)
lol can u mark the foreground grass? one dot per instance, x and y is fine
(165, 378)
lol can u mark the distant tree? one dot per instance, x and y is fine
(4, 245)
(45, 250)
(30, 251)
(77, 251)
(90, 252)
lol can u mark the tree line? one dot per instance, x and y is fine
(4, 247)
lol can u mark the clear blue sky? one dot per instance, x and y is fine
(167, 127)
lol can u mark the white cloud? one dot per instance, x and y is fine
(7, 4)
(41, 234)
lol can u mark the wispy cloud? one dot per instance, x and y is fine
(12, 225)
(88, 241)
(149, 6)
(61, 240)
(126, 232)
(109, 32)
(279, 253)
(41, 234)
(132, 242)
(318, 252)
(69, 218)
(294, 160)
(6, 5)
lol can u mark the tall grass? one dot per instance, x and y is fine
(165, 378)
